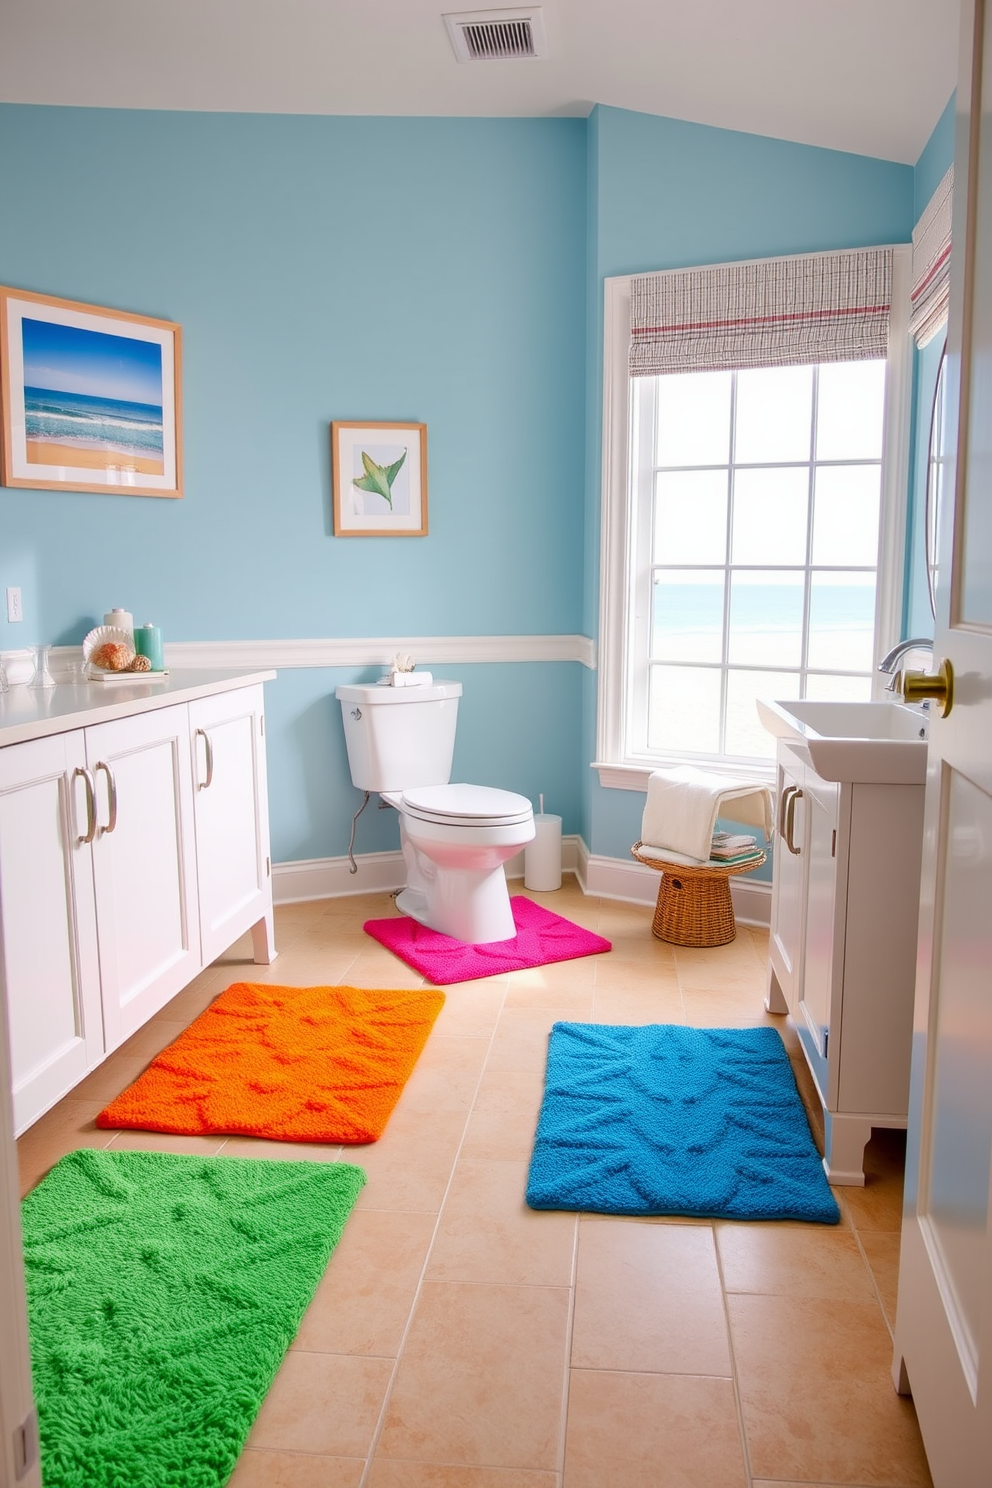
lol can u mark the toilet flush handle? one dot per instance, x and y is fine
(356, 712)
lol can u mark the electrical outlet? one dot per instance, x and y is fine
(14, 610)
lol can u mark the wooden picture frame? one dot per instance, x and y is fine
(89, 397)
(380, 479)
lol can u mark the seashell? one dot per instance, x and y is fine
(140, 664)
(112, 656)
(105, 635)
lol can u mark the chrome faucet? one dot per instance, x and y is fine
(890, 662)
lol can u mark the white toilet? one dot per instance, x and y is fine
(455, 838)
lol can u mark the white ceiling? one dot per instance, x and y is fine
(871, 76)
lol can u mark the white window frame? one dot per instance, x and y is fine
(618, 764)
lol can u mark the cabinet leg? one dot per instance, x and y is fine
(263, 940)
(775, 1000)
(900, 1378)
(845, 1139)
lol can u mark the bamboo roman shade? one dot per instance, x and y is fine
(820, 307)
(932, 264)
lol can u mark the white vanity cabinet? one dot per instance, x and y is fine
(50, 967)
(119, 877)
(227, 736)
(842, 950)
(144, 869)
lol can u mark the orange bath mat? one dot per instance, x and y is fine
(298, 1064)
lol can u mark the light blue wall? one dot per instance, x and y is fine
(518, 729)
(935, 157)
(671, 194)
(445, 271)
(322, 268)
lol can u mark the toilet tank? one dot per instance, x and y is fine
(399, 737)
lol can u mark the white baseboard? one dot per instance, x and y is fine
(607, 878)
(331, 878)
(634, 883)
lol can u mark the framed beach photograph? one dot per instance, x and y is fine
(89, 397)
(380, 479)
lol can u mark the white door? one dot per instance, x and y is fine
(49, 973)
(231, 813)
(944, 1324)
(143, 865)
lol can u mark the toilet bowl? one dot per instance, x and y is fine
(455, 840)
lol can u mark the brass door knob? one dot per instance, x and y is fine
(939, 685)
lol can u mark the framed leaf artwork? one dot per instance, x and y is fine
(380, 479)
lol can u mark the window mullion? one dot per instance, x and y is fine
(728, 549)
(807, 576)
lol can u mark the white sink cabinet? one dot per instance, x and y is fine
(124, 869)
(842, 950)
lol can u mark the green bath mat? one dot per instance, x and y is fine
(163, 1292)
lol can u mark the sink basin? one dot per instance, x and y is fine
(874, 743)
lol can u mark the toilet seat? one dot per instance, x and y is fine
(463, 805)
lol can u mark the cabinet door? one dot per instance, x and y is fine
(143, 865)
(231, 813)
(48, 956)
(789, 886)
(823, 956)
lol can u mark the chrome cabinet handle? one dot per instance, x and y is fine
(90, 783)
(111, 796)
(783, 802)
(203, 784)
(790, 820)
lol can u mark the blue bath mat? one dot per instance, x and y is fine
(671, 1120)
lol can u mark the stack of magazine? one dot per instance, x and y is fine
(728, 848)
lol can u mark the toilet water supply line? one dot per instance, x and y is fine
(354, 824)
(399, 664)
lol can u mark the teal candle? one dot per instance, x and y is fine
(148, 642)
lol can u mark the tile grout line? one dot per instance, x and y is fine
(383, 1410)
(864, 1256)
(738, 1403)
(567, 1375)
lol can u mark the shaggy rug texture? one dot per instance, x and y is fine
(542, 937)
(671, 1120)
(163, 1292)
(298, 1064)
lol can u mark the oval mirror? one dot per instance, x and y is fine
(936, 468)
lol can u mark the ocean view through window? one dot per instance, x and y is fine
(755, 502)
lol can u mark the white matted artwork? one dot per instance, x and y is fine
(380, 479)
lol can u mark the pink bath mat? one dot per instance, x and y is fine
(542, 937)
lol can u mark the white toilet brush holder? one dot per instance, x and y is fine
(542, 856)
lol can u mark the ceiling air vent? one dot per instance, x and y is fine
(497, 35)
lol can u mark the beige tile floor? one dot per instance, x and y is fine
(460, 1340)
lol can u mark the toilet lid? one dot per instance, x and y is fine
(467, 805)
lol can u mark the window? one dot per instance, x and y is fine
(753, 530)
(755, 548)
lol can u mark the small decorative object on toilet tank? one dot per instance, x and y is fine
(402, 673)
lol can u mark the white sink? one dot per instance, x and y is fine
(874, 743)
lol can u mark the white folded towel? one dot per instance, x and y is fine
(684, 803)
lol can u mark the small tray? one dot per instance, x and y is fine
(96, 674)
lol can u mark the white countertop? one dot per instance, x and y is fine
(29, 713)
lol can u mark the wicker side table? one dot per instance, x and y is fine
(694, 905)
